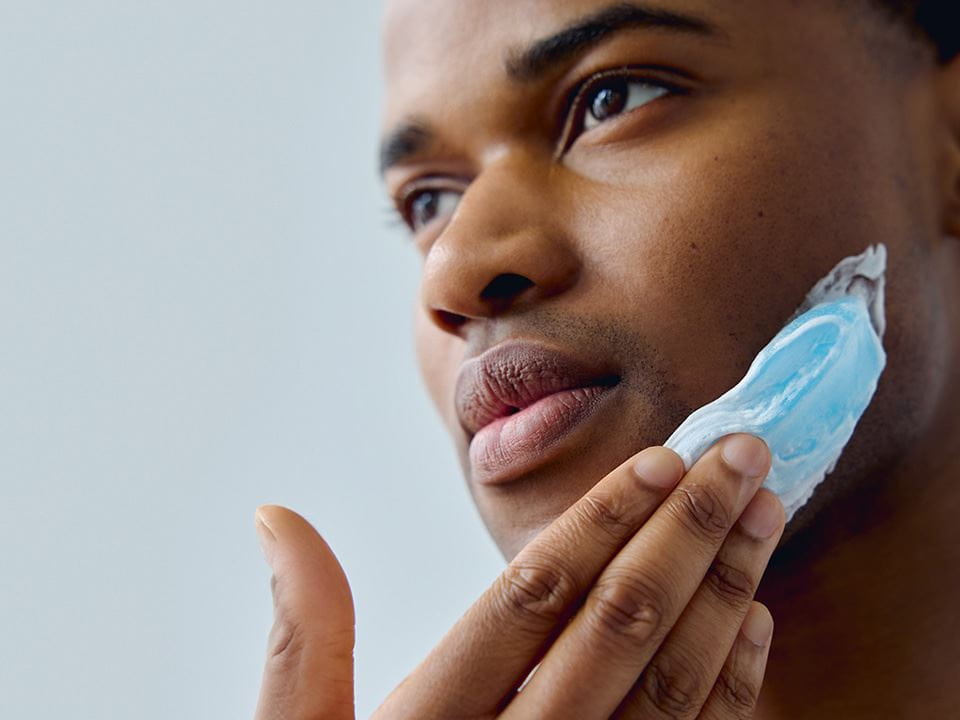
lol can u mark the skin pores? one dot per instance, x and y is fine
(675, 239)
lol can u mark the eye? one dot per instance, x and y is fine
(419, 208)
(608, 94)
(616, 95)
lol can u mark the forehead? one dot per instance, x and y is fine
(446, 62)
(431, 46)
(423, 30)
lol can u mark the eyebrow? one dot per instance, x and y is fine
(523, 66)
(544, 55)
(409, 139)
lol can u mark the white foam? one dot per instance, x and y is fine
(862, 276)
(808, 387)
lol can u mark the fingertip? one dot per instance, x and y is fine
(763, 518)
(779, 504)
(262, 523)
(270, 515)
(659, 466)
(757, 626)
(283, 534)
(295, 549)
(284, 524)
(681, 465)
(778, 508)
(745, 454)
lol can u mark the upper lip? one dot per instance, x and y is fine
(515, 374)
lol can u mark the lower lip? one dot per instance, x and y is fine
(507, 447)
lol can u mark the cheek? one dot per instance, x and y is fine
(715, 246)
(439, 356)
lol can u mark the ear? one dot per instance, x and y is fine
(949, 91)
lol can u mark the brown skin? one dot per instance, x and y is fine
(673, 241)
(677, 241)
(643, 582)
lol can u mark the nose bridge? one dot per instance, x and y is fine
(505, 246)
(513, 191)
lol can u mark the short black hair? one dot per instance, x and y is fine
(934, 20)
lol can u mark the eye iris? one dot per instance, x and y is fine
(424, 208)
(609, 100)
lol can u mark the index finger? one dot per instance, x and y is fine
(498, 641)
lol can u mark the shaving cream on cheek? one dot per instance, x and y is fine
(806, 390)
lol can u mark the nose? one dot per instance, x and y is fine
(505, 249)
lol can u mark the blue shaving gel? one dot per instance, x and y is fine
(806, 390)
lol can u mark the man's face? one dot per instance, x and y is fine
(651, 197)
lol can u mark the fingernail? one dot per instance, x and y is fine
(762, 516)
(658, 468)
(758, 625)
(266, 536)
(746, 454)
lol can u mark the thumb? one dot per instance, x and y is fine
(309, 668)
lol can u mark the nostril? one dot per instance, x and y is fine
(506, 287)
(449, 319)
(499, 294)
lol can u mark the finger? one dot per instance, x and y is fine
(735, 694)
(680, 676)
(641, 593)
(483, 659)
(309, 668)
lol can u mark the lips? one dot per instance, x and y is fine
(518, 399)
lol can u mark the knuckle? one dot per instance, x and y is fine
(605, 511)
(627, 609)
(285, 644)
(737, 694)
(732, 585)
(673, 686)
(538, 591)
(701, 509)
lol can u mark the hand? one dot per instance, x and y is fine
(635, 603)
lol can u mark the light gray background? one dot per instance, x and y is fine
(202, 309)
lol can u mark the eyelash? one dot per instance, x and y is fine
(575, 106)
(403, 207)
(571, 118)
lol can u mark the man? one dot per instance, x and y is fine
(618, 205)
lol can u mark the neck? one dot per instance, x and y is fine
(869, 629)
(865, 599)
